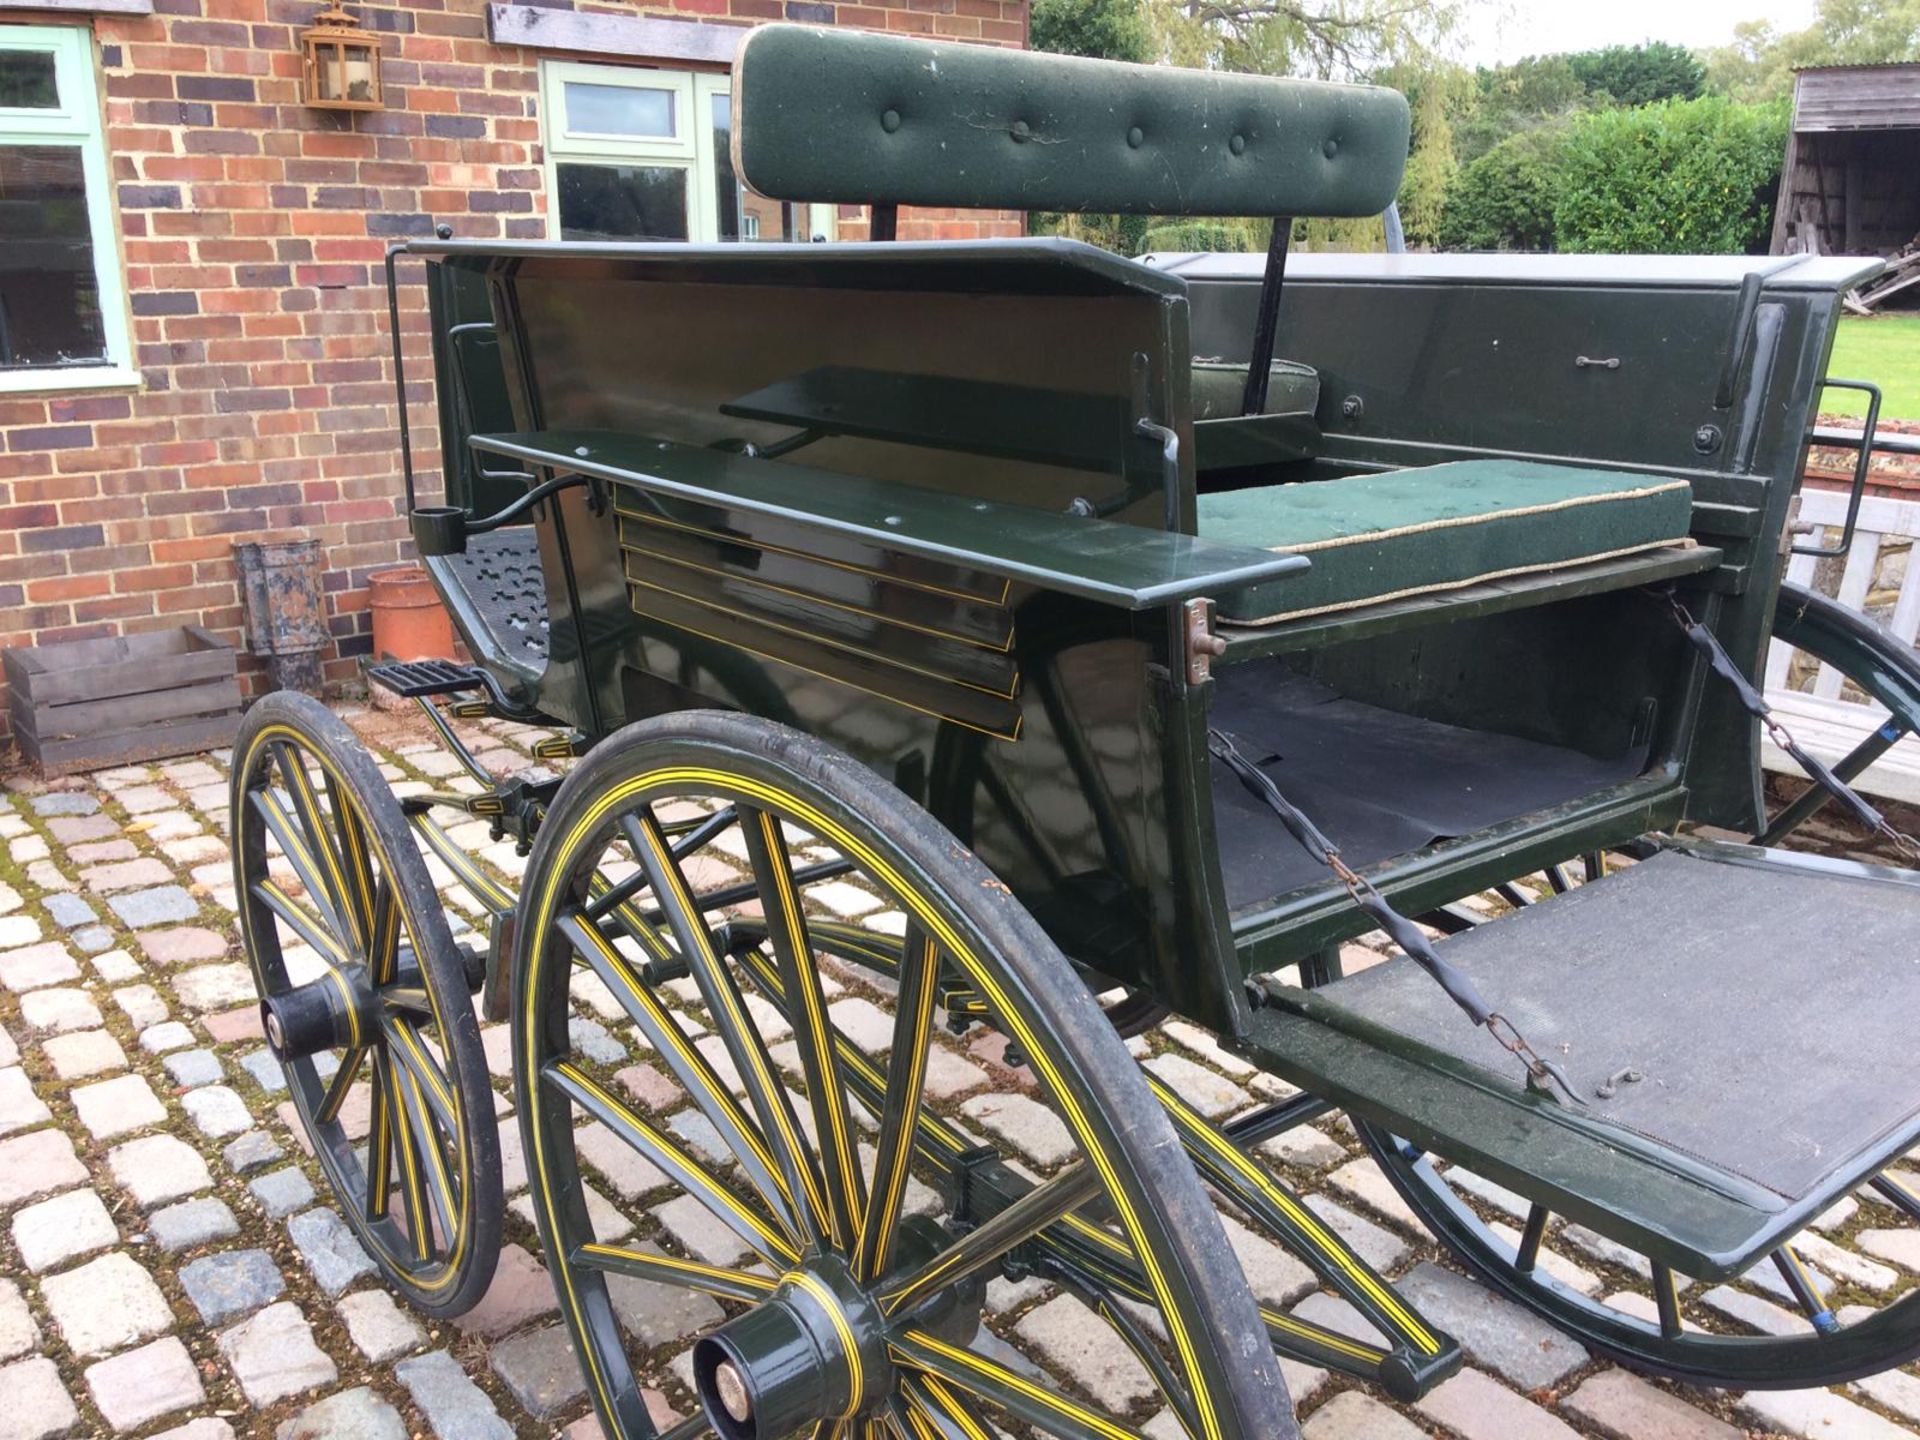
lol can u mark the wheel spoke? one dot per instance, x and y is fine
(284, 829)
(407, 999)
(936, 1413)
(309, 928)
(379, 1143)
(988, 1242)
(906, 1083)
(667, 1269)
(383, 950)
(760, 1234)
(1801, 1284)
(306, 805)
(729, 1016)
(1666, 1299)
(688, 1065)
(328, 1110)
(1527, 1253)
(435, 1090)
(355, 859)
(793, 949)
(434, 1170)
(995, 1383)
(413, 1194)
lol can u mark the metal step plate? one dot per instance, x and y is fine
(1766, 1000)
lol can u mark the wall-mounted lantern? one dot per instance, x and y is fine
(340, 63)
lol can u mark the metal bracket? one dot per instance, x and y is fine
(1202, 646)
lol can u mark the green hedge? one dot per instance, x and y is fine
(1678, 178)
(1504, 200)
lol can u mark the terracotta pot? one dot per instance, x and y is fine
(409, 622)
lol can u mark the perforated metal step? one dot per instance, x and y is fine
(497, 592)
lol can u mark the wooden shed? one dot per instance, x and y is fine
(1851, 183)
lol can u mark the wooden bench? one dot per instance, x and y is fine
(1823, 713)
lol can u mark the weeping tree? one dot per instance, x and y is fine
(1404, 43)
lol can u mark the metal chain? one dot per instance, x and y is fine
(1543, 1076)
(1755, 704)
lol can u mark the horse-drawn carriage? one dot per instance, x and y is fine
(1007, 639)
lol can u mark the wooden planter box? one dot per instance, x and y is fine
(87, 704)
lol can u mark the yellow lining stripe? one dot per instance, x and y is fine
(346, 999)
(877, 1234)
(756, 1054)
(1310, 1226)
(824, 1298)
(744, 1278)
(852, 1221)
(969, 1361)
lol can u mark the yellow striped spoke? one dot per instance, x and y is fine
(728, 1013)
(328, 1110)
(434, 1173)
(413, 1193)
(306, 926)
(668, 1269)
(760, 1233)
(792, 947)
(688, 1065)
(379, 1143)
(939, 1414)
(482, 886)
(383, 950)
(906, 1083)
(286, 832)
(989, 1380)
(343, 893)
(425, 1072)
(988, 1242)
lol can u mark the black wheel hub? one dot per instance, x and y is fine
(815, 1350)
(339, 1009)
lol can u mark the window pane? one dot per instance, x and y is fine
(743, 215)
(623, 202)
(26, 80)
(49, 294)
(619, 110)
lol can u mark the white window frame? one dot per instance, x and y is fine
(78, 123)
(690, 149)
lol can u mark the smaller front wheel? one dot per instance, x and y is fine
(365, 1002)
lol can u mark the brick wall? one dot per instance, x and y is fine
(253, 236)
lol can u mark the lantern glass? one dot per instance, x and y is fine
(342, 64)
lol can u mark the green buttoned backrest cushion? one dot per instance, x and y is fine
(853, 118)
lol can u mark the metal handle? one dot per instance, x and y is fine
(1864, 442)
(1739, 340)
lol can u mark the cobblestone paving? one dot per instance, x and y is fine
(170, 1266)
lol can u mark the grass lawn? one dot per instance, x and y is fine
(1884, 349)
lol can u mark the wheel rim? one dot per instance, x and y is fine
(359, 985)
(816, 1251)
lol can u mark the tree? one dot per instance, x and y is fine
(1640, 74)
(1678, 178)
(1504, 199)
(1760, 62)
(1104, 29)
(1506, 99)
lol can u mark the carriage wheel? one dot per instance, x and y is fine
(775, 1169)
(1840, 652)
(365, 1002)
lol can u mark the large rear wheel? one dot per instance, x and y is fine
(841, 1220)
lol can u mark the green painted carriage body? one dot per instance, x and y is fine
(1049, 723)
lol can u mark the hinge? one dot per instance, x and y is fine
(1203, 647)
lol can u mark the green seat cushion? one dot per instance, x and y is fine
(1383, 537)
(1218, 385)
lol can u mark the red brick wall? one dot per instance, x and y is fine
(253, 236)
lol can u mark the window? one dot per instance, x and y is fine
(646, 155)
(62, 320)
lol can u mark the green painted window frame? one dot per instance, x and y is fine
(78, 123)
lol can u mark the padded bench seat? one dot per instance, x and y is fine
(1381, 537)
